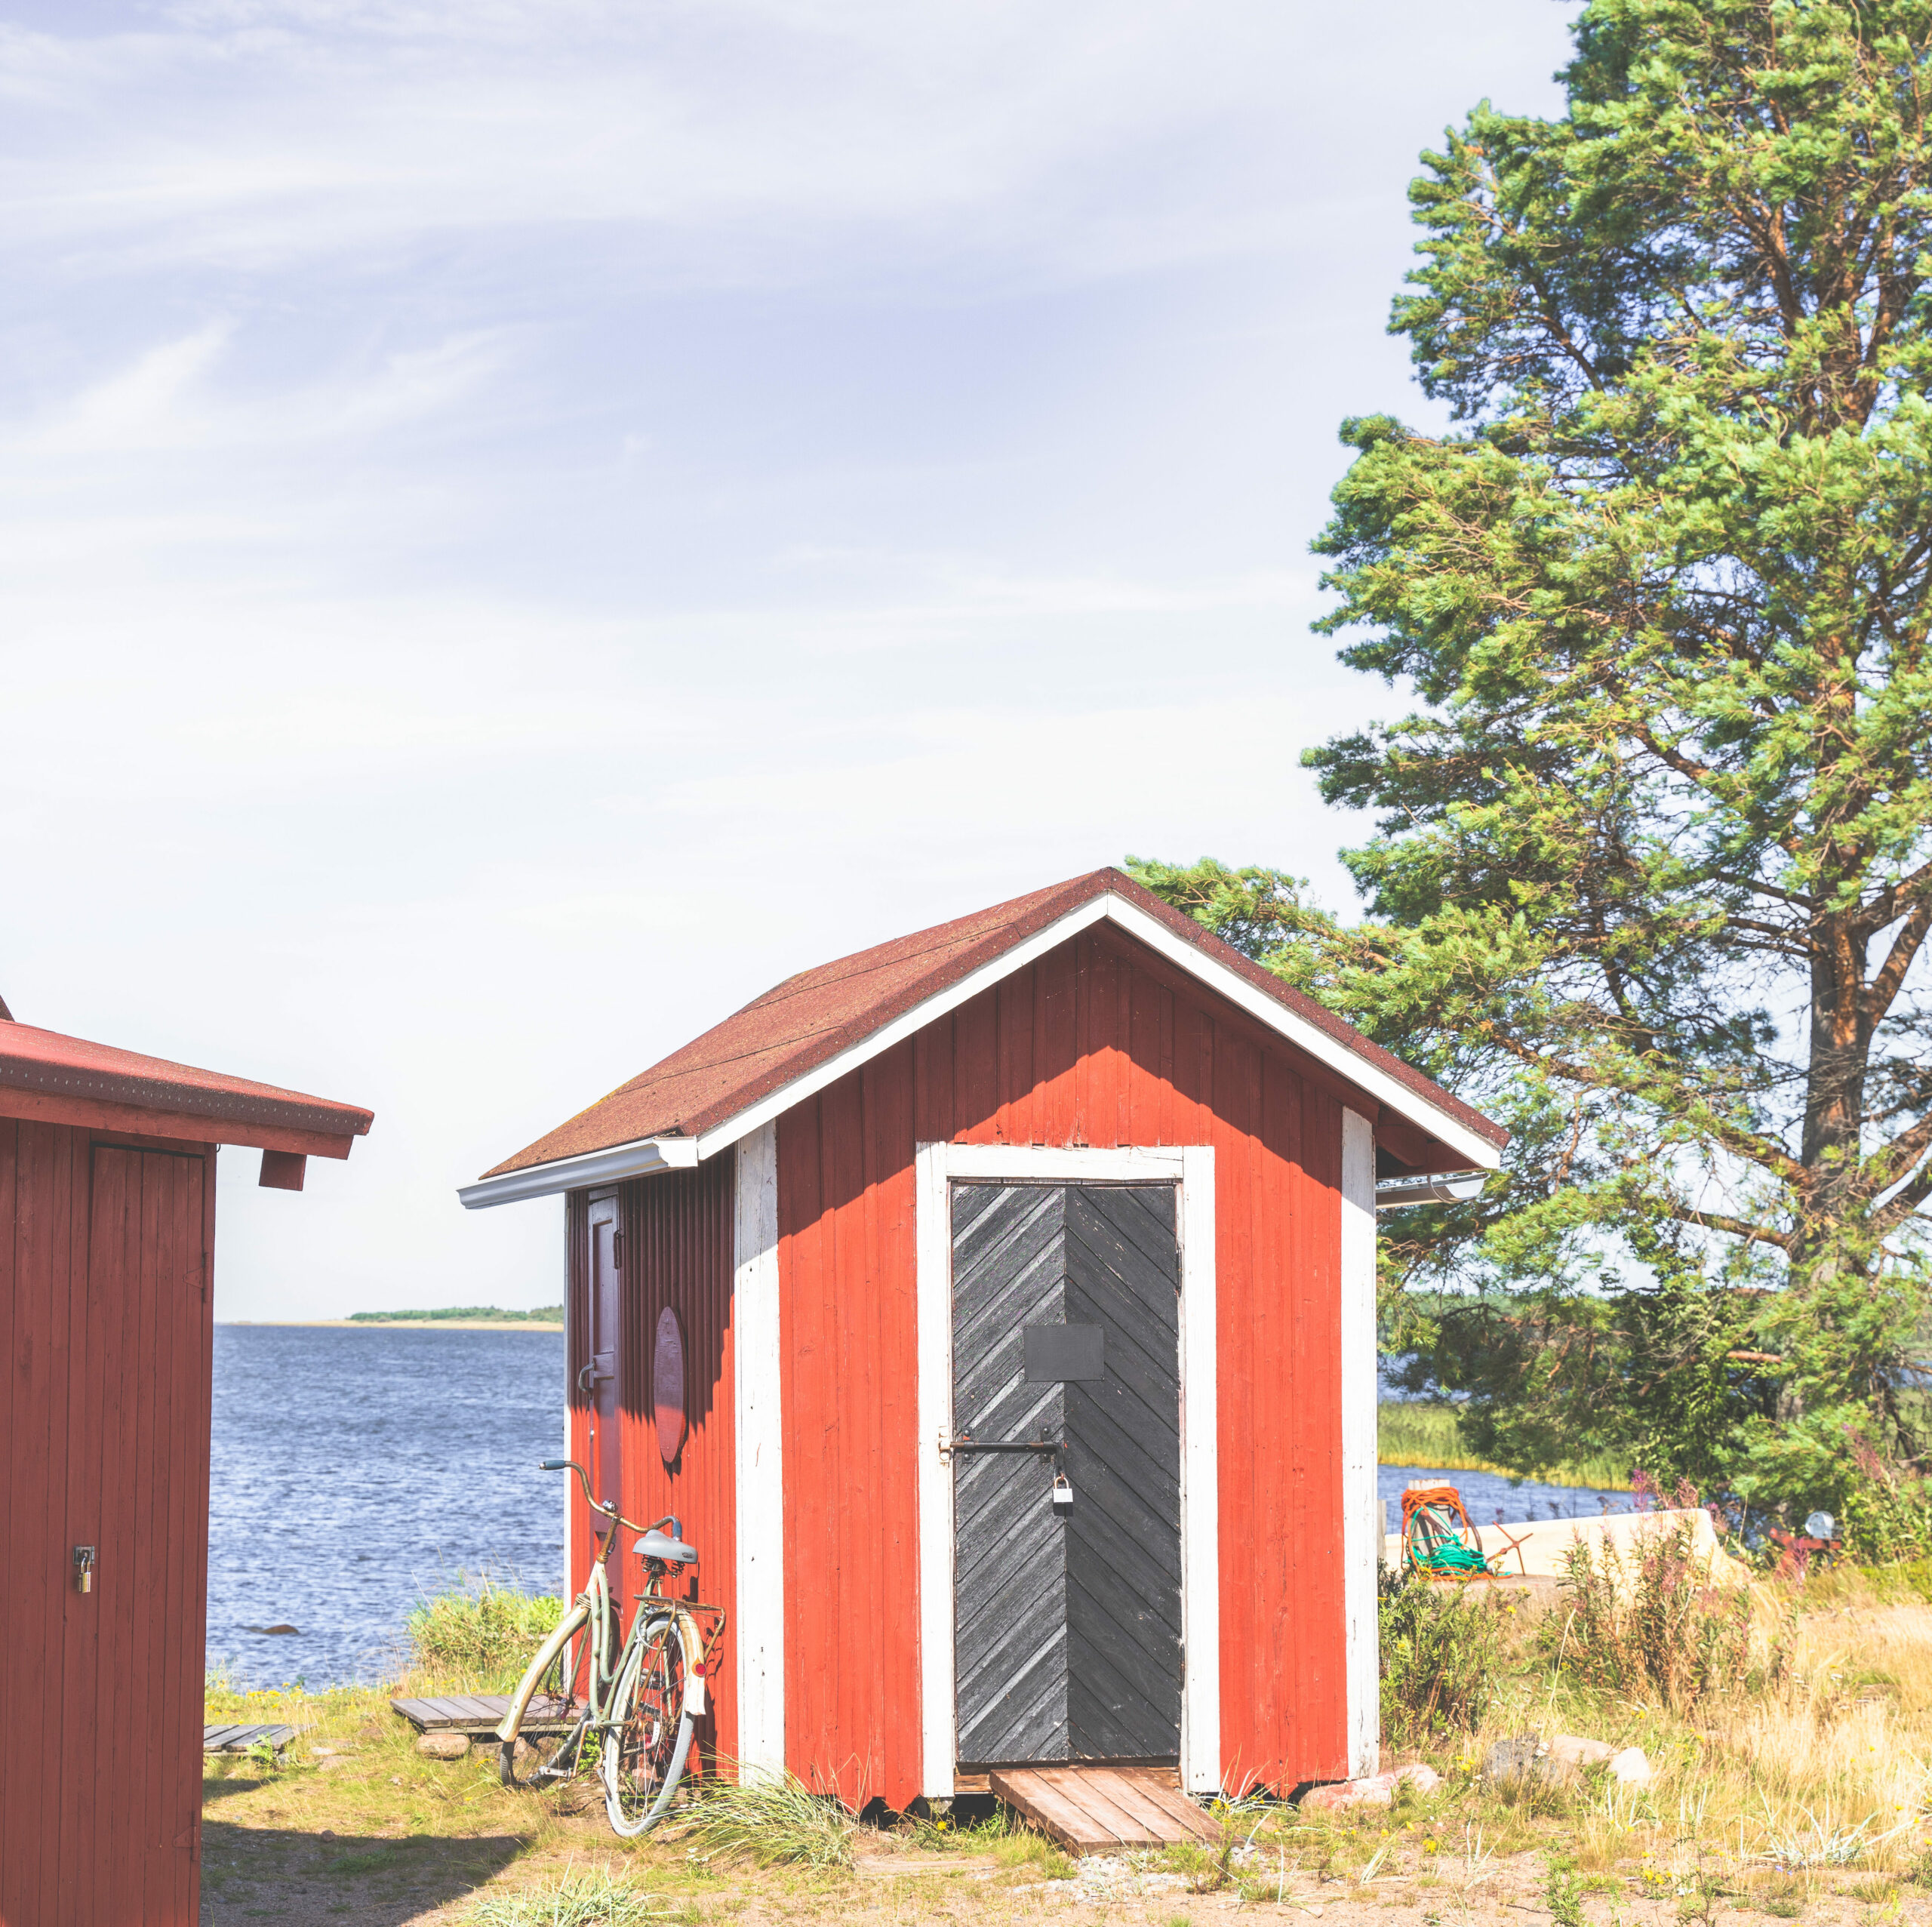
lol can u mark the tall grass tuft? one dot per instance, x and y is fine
(1643, 1620)
(773, 1823)
(483, 1632)
(1444, 1654)
(581, 1900)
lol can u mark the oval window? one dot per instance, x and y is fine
(667, 1385)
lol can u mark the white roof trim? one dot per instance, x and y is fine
(1342, 1058)
(639, 1159)
(652, 1154)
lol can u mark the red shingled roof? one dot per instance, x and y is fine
(795, 1027)
(44, 1060)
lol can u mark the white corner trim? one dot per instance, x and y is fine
(569, 1483)
(1200, 1479)
(933, 1239)
(1361, 1527)
(757, 1356)
(1347, 1063)
(1191, 1168)
(639, 1158)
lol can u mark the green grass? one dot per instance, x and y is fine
(593, 1899)
(1414, 1433)
(543, 1315)
(782, 1824)
(482, 1633)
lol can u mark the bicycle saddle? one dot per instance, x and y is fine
(655, 1544)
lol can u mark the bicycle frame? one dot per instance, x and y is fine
(593, 1611)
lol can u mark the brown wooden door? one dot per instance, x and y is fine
(605, 1376)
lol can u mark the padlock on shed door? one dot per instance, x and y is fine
(1063, 1491)
(84, 1568)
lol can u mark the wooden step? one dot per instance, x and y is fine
(232, 1739)
(1102, 1809)
(476, 1713)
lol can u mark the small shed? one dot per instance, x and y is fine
(107, 1197)
(996, 1308)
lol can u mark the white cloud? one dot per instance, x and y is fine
(521, 524)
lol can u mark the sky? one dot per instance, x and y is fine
(524, 523)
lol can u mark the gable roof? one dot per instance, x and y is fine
(45, 1073)
(813, 1028)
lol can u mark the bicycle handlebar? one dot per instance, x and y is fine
(610, 1512)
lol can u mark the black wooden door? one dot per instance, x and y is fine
(1066, 1328)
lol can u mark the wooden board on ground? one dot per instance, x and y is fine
(480, 1713)
(218, 1739)
(1102, 1809)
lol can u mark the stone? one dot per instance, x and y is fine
(1525, 1758)
(443, 1745)
(1570, 1750)
(1631, 1767)
(1378, 1790)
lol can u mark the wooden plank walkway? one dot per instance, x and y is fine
(476, 1713)
(239, 1739)
(1101, 1809)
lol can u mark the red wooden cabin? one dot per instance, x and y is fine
(107, 1271)
(1072, 1179)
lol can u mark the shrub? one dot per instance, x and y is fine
(482, 1631)
(1644, 1620)
(1886, 1508)
(1443, 1656)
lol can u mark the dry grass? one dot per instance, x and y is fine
(1808, 1800)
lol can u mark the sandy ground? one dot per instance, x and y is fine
(255, 1869)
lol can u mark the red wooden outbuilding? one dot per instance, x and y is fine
(996, 1308)
(106, 1273)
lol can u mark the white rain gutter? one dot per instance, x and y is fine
(639, 1159)
(1441, 1187)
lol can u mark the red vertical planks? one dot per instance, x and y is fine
(678, 1237)
(1099, 1041)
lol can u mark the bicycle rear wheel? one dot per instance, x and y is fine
(652, 1719)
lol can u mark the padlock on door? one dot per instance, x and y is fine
(84, 1568)
(1063, 1491)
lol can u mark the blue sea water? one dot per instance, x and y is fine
(355, 1471)
(1490, 1499)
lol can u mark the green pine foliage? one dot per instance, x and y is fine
(1652, 867)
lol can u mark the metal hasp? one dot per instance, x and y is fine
(84, 1568)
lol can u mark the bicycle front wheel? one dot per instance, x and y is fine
(652, 1716)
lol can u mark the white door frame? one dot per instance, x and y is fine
(1190, 1168)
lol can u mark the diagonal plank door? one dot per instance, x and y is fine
(1067, 1617)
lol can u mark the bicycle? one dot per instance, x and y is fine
(632, 1721)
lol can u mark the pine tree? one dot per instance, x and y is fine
(1652, 873)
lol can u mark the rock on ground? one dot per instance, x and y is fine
(443, 1745)
(1378, 1790)
(1529, 1758)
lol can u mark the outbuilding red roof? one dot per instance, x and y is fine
(61, 1066)
(801, 1023)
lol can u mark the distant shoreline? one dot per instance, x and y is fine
(394, 1324)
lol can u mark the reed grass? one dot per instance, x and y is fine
(771, 1823)
(480, 1635)
(580, 1899)
(1414, 1432)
